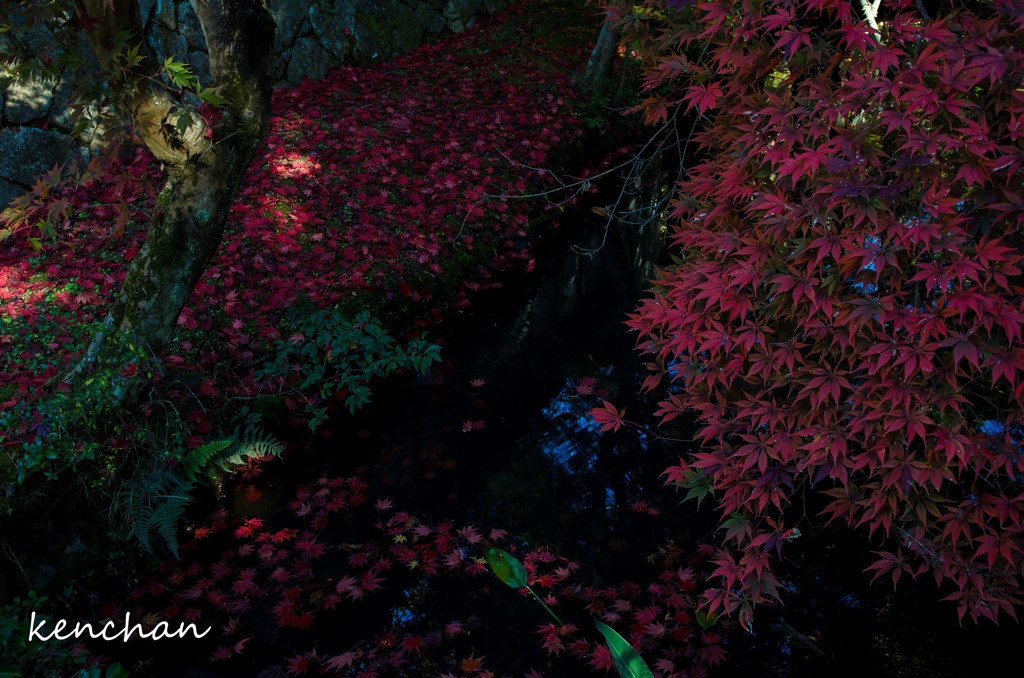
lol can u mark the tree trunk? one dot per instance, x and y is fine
(205, 166)
(599, 66)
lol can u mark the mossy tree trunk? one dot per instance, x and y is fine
(599, 66)
(204, 165)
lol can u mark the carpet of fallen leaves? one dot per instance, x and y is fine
(373, 185)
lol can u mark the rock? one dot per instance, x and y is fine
(27, 100)
(374, 31)
(99, 127)
(288, 17)
(27, 152)
(60, 111)
(200, 63)
(146, 11)
(430, 19)
(88, 69)
(493, 6)
(408, 31)
(189, 27)
(168, 44)
(453, 17)
(32, 35)
(334, 23)
(8, 192)
(167, 14)
(461, 14)
(307, 59)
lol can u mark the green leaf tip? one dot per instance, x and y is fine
(627, 660)
(505, 565)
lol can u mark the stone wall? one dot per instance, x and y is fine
(312, 37)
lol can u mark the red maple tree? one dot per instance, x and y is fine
(845, 312)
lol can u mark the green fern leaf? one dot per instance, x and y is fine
(254, 443)
(198, 460)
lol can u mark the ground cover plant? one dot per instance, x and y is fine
(844, 312)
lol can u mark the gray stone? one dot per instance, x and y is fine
(167, 14)
(88, 70)
(461, 14)
(374, 31)
(289, 16)
(334, 24)
(431, 20)
(200, 63)
(493, 6)
(27, 152)
(8, 192)
(32, 35)
(168, 44)
(190, 27)
(453, 17)
(27, 100)
(307, 59)
(95, 128)
(408, 31)
(146, 11)
(60, 111)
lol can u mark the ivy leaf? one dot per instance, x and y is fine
(627, 661)
(705, 619)
(183, 121)
(179, 73)
(505, 565)
(209, 95)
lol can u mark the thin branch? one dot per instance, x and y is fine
(579, 186)
(613, 215)
(870, 12)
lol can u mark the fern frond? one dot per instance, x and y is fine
(198, 460)
(153, 500)
(254, 443)
(167, 516)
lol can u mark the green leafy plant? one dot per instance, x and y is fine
(73, 423)
(20, 655)
(331, 354)
(154, 499)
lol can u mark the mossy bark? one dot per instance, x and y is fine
(205, 166)
(599, 66)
